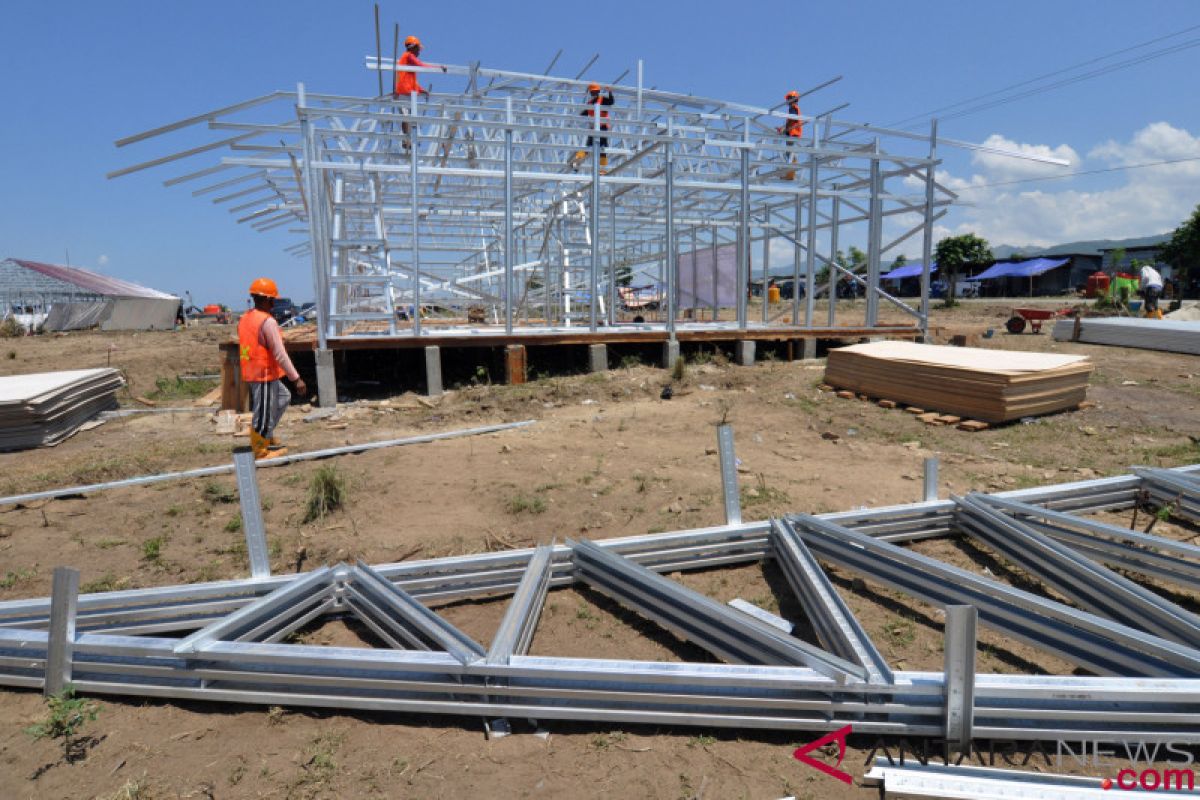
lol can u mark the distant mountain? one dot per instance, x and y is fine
(1093, 247)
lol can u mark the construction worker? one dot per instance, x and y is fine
(264, 362)
(406, 82)
(596, 102)
(1150, 286)
(792, 127)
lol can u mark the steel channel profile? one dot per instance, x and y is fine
(499, 573)
(833, 621)
(734, 636)
(223, 469)
(1089, 584)
(1093, 642)
(252, 672)
(1130, 549)
(1179, 490)
(252, 516)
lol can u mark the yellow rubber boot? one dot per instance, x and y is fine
(258, 445)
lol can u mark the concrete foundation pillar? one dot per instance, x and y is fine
(670, 353)
(807, 349)
(744, 352)
(514, 363)
(433, 370)
(326, 379)
(597, 357)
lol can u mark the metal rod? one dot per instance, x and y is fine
(960, 675)
(729, 481)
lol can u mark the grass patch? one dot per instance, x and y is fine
(899, 632)
(234, 525)
(217, 492)
(12, 578)
(152, 549)
(180, 388)
(106, 583)
(762, 493)
(321, 766)
(521, 503)
(326, 493)
(66, 714)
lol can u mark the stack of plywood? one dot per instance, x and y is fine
(46, 407)
(1148, 334)
(989, 385)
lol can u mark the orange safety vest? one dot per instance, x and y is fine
(406, 82)
(794, 127)
(591, 112)
(258, 365)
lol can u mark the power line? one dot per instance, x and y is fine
(1053, 73)
(1081, 172)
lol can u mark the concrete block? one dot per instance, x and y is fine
(433, 371)
(597, 357)
(744, 352)
(326, 379)
(808, 349)
(670, 353)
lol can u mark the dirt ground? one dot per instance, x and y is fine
(606, 457)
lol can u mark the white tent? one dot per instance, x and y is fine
(75, 299)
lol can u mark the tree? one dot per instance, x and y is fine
(956, 252)
(900, 261)
(1183, 250)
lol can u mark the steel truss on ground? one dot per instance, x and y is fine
(224, 641)
(476, 195)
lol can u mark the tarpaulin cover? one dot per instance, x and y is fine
(1020, 269)
(906, 271)
(708, 277)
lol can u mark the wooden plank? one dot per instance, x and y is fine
(514, 364)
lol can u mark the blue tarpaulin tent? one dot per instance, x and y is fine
(1020, 269)
(906, 271)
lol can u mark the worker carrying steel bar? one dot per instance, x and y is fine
(406, 83)
(792, 127)
(596, 101)
(264, 361)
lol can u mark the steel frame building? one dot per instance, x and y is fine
(471, 196)
(226, 641)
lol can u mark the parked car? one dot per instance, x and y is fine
(284, 309)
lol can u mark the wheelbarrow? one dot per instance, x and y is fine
(1034, 317)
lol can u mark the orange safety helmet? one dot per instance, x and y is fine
(412, 40)
(264, 287)
(792, 95)
(594, 88)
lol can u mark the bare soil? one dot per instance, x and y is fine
(607, 457)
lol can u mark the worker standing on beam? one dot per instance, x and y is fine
(264, 361)
(596, 103)
(406, 82)
(793, 126)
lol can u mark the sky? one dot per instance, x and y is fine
(76, 76)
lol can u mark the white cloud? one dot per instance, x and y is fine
(102, 261)
(1146, 201)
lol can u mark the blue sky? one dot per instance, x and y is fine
(75, 76)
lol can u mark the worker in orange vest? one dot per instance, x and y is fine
(596, 102)
(264, 361)
(792, 127)
(406, 82)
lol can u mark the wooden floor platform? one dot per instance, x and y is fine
(305, 339)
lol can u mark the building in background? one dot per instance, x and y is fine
(62, 298)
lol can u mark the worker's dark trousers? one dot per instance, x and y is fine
(1151, 294)
(268, 401)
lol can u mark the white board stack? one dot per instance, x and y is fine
(1147, 334)
(988, 385)
(46, 407)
